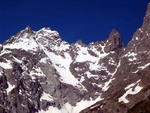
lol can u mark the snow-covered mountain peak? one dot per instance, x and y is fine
(28, 29)
(27, 39)
(47, 32)
(44, 58)
(41, 73)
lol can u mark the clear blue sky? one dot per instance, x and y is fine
(88, 20)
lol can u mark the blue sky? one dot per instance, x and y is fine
(88, 20)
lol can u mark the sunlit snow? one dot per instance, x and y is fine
(130, 91)
(24, 44)
(36, 72)
(62, 65)
(46, 96)
(6, 65)
(10, 87)
(107, 84)
(67, 108)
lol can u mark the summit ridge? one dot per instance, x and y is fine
(42, 73)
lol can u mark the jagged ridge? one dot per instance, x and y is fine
(48, 73)
(129, 91)
(39, 72)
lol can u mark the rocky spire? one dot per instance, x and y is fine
(28, 29)
(146, 22)
(114, 41)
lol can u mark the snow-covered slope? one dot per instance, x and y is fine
(53, 75)
(129, 90)
(41, 73)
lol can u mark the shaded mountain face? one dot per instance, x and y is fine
(41, 73)
(129, 92)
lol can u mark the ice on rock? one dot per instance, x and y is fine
(36, 72)
(10, 87)
(44, 60)
(141, 68)
(6, 65)
(107, 84)
(130, 91)
(46, 96)
(145, 66)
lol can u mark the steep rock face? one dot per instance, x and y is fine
(42, 73)
(114, 41)
(129, 91)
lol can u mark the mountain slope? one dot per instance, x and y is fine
(129, 91)
(41, 73)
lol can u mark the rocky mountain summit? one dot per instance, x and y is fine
(41, 73)
(129, 92)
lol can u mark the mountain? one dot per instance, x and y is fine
(129, 92)
(41, 73)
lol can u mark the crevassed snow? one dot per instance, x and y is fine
(62, 65)
(130, 90)
(10, 87)
(6, 65)
(46, 96)
(67, 108)
(24, 44)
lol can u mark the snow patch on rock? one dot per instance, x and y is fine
(130, 91)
